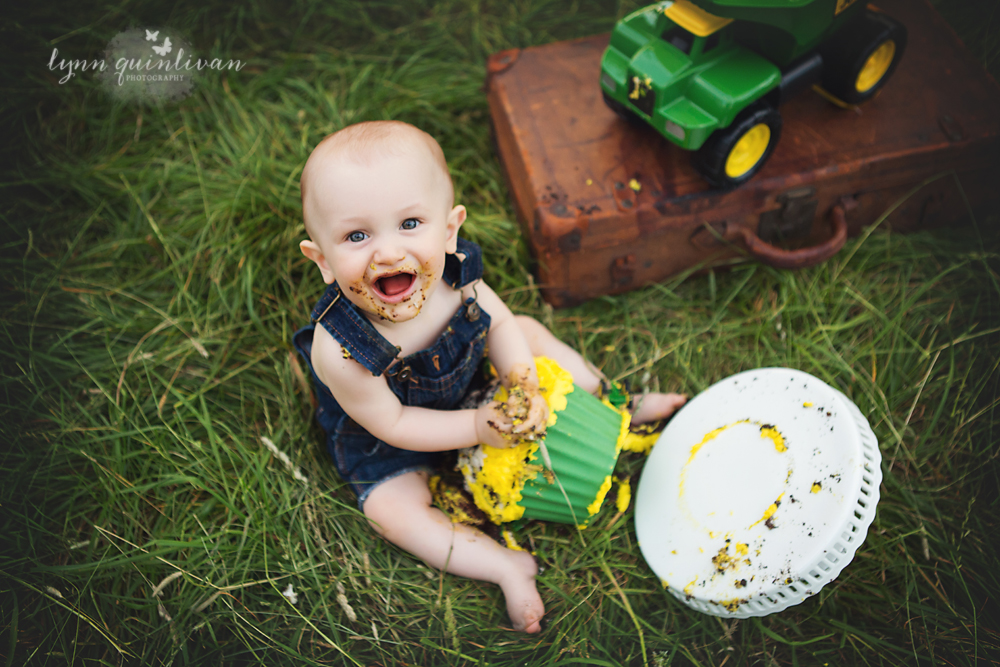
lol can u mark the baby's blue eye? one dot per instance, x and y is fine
(409, 223)
(356, 237)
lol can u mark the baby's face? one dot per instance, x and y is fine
(384, 229)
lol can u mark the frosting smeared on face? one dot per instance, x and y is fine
(396, 295)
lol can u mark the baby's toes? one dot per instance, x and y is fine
(653, 407)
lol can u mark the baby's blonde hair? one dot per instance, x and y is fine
(362, 142)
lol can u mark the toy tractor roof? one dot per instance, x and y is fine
(793, 27)
(762, 4)
(693, 18)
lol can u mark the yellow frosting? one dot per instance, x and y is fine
(640, 443)
(624, 494)
(594, 507)
(769, 512)
(511, 542)
(450, 499)
(768, 431)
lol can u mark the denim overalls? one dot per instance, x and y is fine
(438, 377)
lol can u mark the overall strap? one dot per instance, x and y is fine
(459, 273)
(353, 331)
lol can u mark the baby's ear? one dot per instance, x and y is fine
(455, 220)
(313, 252)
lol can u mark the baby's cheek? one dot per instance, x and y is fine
(431, 279)
(433, 266)
(358, 288)
(433, 270)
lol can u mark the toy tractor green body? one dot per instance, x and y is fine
(709, 75)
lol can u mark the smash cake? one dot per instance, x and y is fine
(564, 474)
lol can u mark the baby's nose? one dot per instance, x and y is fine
(389, 253)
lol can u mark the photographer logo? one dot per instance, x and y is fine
(144, 65)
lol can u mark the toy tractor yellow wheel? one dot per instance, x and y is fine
(875, 68)
(748, 151)
(859, 61)
(732, 155)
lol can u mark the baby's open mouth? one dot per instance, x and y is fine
(395, 287)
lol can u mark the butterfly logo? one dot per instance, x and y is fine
(165, 49)
(151, 36)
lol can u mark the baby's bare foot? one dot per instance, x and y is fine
(524, 604)
(652, 407)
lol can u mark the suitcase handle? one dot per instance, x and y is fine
(803, 257)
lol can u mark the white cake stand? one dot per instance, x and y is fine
(758, 493)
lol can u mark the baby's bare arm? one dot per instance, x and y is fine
(511, 356)
(368, 400)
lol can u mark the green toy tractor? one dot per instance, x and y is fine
(709, 75)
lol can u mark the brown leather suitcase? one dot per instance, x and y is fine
(609, 206)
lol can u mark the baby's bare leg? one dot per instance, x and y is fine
(400, 510)
(544, 344)
(647, 408)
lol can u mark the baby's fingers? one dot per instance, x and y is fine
(493, 426)
(498, 420)
(538, 415)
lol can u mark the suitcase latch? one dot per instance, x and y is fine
(623, 270)
(793, 220)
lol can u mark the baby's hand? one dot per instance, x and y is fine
(523, 416)
(525, 405)
(493, 426)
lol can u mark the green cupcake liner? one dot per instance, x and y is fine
(583, 449)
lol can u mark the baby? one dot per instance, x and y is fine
(398, 340)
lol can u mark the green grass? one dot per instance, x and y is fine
(152, 283)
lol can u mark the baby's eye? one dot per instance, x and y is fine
(409, 223)
(356, 237)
